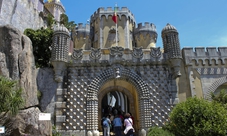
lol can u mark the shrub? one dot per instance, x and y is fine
(156, 131)
(10, 96)
(55, 132)
(198, 117)
(41, 42)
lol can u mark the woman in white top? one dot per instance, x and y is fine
(128, 125)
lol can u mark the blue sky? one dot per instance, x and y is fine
(199, 22)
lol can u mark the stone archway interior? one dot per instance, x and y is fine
(126, 98)
(114, 102)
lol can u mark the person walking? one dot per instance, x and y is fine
(117, 123)
(128, 125)
(106, 126)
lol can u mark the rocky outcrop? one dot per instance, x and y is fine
(17, 62)
(26, 123)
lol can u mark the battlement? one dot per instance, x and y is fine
(82, 31)
(208, 51)
(146, 27)
(83, 27)
(203, 54)
(109, 11)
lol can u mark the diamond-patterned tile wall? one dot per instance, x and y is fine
(152, 82)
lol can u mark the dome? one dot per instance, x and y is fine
(169, 27)
(61, 29)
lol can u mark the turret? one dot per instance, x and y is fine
(56, 8)
(60, 50)
(172, 48)
(81, 37)
(171, 41)
(103, 28)
(59, 59)
(145, 36)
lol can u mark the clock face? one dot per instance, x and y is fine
(50, 0)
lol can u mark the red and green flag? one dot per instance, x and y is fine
(114, 17)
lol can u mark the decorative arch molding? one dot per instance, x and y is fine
(124, 74)
(116, 72)
(214, 86)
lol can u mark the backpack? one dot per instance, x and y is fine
(105, 123)
(102, 121)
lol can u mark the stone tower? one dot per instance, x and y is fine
(103, 29)
(59, 59)
(171, 41)
(81, 37)
(56, 8)
(145, 36)
(172, 48)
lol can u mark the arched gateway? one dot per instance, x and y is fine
(125, 75)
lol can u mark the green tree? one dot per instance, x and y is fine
(220, 97)
(10, 96)
(70, 25)
(198, 117)
(41, 42)
(50, 21)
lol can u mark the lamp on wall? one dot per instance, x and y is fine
(117, 72)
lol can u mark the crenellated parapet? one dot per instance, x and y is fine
(109, 11)
(145, 35)
(205, 56)
(82, 31)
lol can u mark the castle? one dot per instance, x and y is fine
(143, 79)
(123, 64)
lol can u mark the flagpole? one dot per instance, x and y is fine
(116, 23)
(116, 35)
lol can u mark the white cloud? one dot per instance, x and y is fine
(219, 40)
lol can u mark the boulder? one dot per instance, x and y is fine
(26, 123)
(17, 62)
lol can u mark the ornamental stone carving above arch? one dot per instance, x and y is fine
(125, 74)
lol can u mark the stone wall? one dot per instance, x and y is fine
(21, 14)
(47, 87)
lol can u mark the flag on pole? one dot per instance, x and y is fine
(114, 17)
